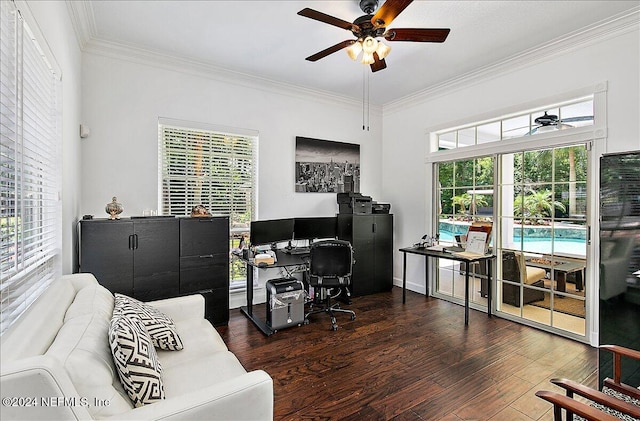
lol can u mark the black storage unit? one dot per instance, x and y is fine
(371, 237)
(204, 263)
(136, 257)
(161, 257)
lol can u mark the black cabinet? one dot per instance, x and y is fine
(136, 257)
(204, 263)
(372, 239)
(155, 258)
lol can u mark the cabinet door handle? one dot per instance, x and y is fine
(207, 256)
(131, 242)
(135, 241)
(373, 228)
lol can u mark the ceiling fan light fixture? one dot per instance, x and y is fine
(369, 45)
(354, 50)
(367, 58)
(382, 50)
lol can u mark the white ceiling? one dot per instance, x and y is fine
(267, 39)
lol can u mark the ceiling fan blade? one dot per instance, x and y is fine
(583, 118)
(417, 34)
(322, 17)
(339, 46)
(378, 64)
(388, 12)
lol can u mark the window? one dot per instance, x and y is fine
(575, 113)
(30, 223)
(202, 165)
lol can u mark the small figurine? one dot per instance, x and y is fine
(199, 211)
(114, 209)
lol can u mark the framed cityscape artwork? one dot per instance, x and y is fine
(325, 166)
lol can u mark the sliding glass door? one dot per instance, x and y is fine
(536, 202)
(542, 236)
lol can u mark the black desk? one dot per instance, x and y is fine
(444, 255)
(284, 260)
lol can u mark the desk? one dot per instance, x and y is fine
(284, 260)
(444, 255)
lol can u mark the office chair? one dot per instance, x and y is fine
(330, 263)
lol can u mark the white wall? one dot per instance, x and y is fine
(54, 23)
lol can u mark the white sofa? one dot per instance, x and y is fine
(56, 363)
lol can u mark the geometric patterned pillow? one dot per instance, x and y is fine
(160, 326)
(136, 360)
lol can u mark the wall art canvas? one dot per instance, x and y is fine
(325, 166)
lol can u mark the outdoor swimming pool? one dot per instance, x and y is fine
(563, 239)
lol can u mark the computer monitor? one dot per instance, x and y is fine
(271, 231)
(314, 228)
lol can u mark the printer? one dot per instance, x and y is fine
(354, 203)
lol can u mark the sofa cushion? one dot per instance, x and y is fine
(195, 374)
(82, 346)
(136, 360)
(199, 338)
(161, 328)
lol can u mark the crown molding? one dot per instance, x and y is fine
(590, 35)
(82, 20)
(207, 70)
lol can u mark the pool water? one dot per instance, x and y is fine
(569, 246)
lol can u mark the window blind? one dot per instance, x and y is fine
(30, 223)
(209, 168)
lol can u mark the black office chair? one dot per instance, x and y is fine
(330, 263)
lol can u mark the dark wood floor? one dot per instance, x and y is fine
(409, 362)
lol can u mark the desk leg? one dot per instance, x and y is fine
(404, 278)
(248, 310)
(466, 295)
(249, 290)
(489, 282)
(426, 274)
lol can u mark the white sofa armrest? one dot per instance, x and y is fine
(28, 386)
(181, 308)
(248, 397)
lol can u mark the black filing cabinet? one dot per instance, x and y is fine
(204, 263)
(161, 257)
(371, 236)
(136, 257)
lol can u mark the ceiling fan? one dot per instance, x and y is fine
(370, 26)
(548, 122)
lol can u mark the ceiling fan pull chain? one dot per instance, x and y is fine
(366, 72)
(366, 113)
(363, 100)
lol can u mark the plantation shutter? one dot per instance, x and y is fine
(209, 168)
(30, 224)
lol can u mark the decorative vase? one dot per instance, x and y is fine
(114, 209)
(199, 211)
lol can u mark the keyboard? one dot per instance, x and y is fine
(297, 250)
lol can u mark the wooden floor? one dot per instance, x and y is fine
(415, 361)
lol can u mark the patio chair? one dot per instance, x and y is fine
(616, 400)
